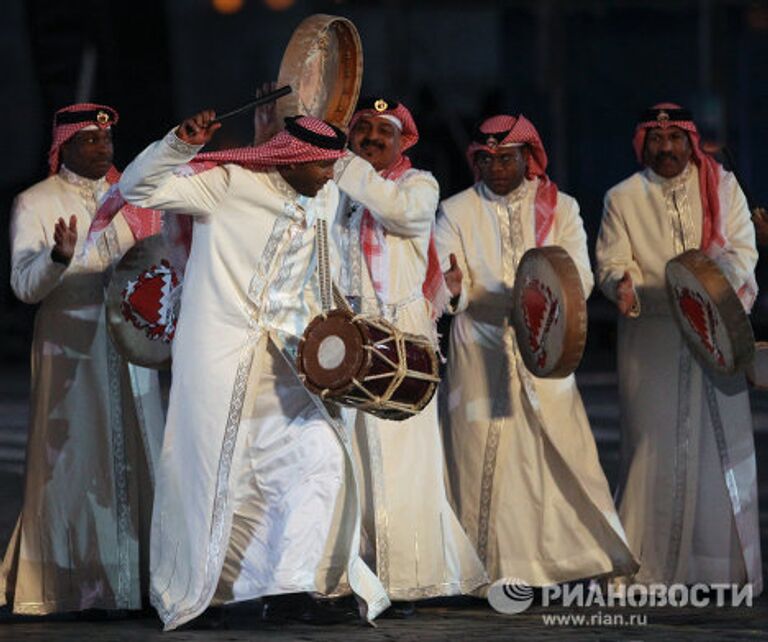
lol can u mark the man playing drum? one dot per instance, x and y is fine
(249, 487)
(383, 234)
(522, 461)
(688, 488)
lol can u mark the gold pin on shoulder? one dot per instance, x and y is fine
(102, 118)
(380, 105)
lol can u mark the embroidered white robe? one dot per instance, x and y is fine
(524, 471)
(411, 533)
(95, 425)
(248, 486)
(689, 485)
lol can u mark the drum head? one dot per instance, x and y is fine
(323, 64)
(331, 353)
(139, 318)
(709, 314)
(549, 312)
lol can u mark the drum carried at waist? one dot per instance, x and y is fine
(709, 314)
(368, 364)
(549, 312)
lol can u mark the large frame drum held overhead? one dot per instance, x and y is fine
(142, 304)
(549, 312)
(323, 64)
(709, 313)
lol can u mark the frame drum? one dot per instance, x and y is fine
(323, 64)
(549, 312)
(141, 304)
(709, 314)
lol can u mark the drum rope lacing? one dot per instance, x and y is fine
(330, 292)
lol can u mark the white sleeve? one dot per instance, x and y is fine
(34, 275)
(614, 254)
(150, 181)
(406, 207)
(448, 241)
(739, 257)
(572, 238)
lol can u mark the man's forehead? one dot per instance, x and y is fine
(371, 119)
(671, 129)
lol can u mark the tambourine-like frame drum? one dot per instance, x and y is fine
(549, 312)
(709, 314)
(138, 340)
(323, 64)
(367, 363)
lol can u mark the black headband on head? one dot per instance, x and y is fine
(491, 139)
(101, 116)
(377, 103)
(660, 114)
(294, 128)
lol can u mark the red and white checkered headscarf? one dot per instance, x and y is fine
(503, 130)
(71, 119)
(384, 107)
(372, 233)
(713, 239)
(671, 115)
(305, 139)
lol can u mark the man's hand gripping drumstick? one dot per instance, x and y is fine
(199, 129)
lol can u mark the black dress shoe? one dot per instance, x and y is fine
(302, 607)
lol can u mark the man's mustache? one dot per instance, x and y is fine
(367, 142)
(661, 156)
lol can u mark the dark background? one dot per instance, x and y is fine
(581, 70)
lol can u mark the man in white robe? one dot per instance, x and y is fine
(383, 233)
(689, 485)
(252, 465)
(82, 539)
(524, 471)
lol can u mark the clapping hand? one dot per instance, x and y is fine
(65, 239)
(453, 277)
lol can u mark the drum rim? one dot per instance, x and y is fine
(365, 364)
(575, 307)
(292, 62)
(728, 306)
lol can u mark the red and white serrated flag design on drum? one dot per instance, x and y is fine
(702, 318)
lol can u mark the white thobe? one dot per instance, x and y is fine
(689, 486)
(525, 475)
(411, 532)
(96, 422)
(252, 464)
